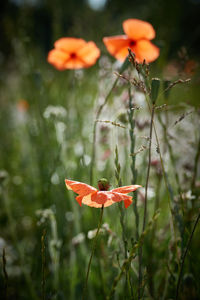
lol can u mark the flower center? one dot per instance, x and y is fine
(73, 55)
(132, 43)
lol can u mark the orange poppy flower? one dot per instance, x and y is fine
(73, 53)
(22, 105)
(90, 196)
(137, 38)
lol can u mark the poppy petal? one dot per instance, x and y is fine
(117, 46)
(117, 197)
(75, 63)
(69, 44)
(126, 189)
(89, 53)
(87, 201)
(127, 203)
(82, 189)
(138, 29)
(58, 58)
(101, 197)
(146, 50)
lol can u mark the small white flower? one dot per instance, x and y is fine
(78, 149)
(92, 233)
(54, 111)
(79, 238)
(55, 178)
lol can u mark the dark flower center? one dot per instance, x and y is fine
(132, 43)
(73, 55)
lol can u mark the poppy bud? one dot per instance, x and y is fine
(103, 184)
(166, 85)
(155, 84)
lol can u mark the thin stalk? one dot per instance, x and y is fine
(132, 150)
(92, 253)
(149, 166)
(145, 199)
(172, 158)
(121, 209)
(122, 215)
(150, 270)
(184, 256)
(168, 187)
(134, 178)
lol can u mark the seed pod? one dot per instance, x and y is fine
(155, 85)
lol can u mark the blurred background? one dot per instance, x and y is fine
(46, 121)
(38, 23)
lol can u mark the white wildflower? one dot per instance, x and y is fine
(54, 111)
(79, 238)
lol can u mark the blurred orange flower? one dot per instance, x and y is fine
(137, 38)
(73, 53)
(90, 196)
(22, 105)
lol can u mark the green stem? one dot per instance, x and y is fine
(145, 199)
(134, 176)
(149, 166)
(92, 253)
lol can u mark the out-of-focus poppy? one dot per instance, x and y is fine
(137, 38)
(22, 105)
(73, 53)
(90, 196)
